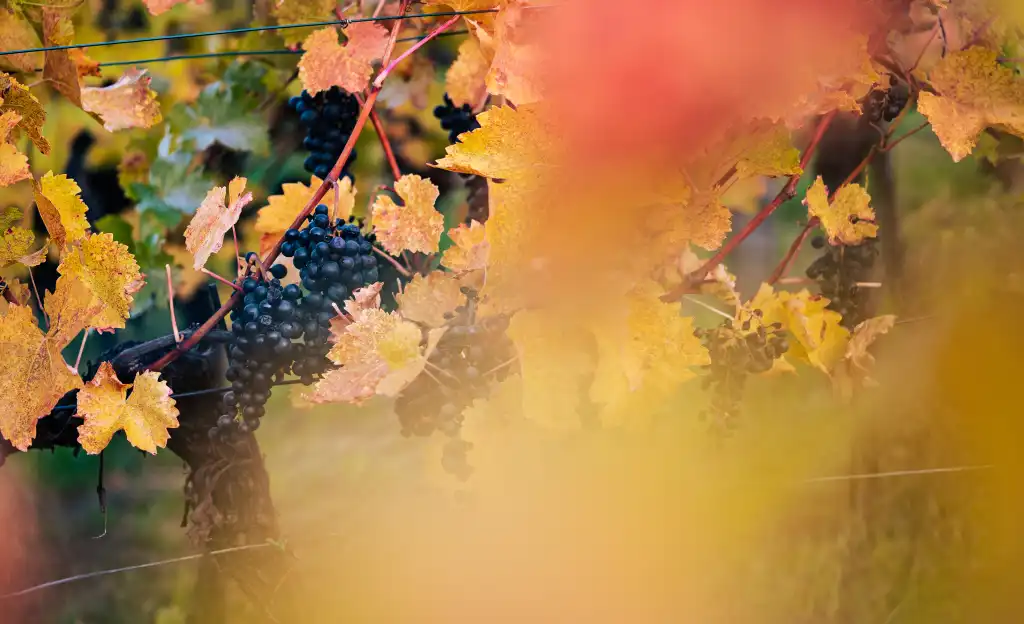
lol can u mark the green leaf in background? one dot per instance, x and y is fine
(121, 229)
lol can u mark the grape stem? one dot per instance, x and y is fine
(332, 177)
(385, 144)
(379, 80)
(39, 300)
(81, 347)
(787, 193)
(170, 305)
(222, 280)
(395, 263)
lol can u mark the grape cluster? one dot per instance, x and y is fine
(333, 260)
(264, 325)
(838, 271)
(471, 354)
(329, 118)
(736, 353)
(886, 104)
(455, 119)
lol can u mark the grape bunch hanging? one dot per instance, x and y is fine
(839, 272)
(329, 118)
(455, 119)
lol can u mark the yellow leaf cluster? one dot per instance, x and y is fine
(847, 219)
(817, 336)
(327, 64)
(128, 103)
(974, 92)
(144, 416)
(214, 218)
(414, 226)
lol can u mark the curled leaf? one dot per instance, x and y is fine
(366, 298)
(848, 219)
(128, 103)
(145, 416)
(326, 64)
(218, 213)
(16, 97)
(13, 164)
(414, 226)
(62, 210)
(470, 250)
(16, 247)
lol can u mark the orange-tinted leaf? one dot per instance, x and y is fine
(62, 210)
(366, 298)
(17, 98)
(13, 164)
(59, 69)
(145, 416)
(110, 271)
(16, 246)
(516, 57)
(156, 7)
(511, 143)
(465, 78)
(33, 378)
(128, 103)
(16, 33)
(273, 219)
(204, 235)
(300, 12)
(414, 226)
(326, 64)
(470, 250)
(83, 64)
(427, 299)
(18, 290)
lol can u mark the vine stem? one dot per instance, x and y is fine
(379, 80)
(385, 143)
(222, 280)
(787, 192)
(170, 304)
(39, 300)
(332, 177)
(395, 263)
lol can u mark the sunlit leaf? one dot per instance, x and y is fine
(16, 247)
(427, 299)
(470, 248)
(128, 103)
(516, 55)
(110, 271)
(215, 217)
(59, 69)
(326, 63)
(62, 210)
(301, 12)
(464, 81)
(848, 219)
(145, 416)
(414, 226)
(509, 144)
(281, 210)
(16, 97)
(13, 164)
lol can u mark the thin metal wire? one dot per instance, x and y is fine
(235, 53)
(238, 31)
(898, 473)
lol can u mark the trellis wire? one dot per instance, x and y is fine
(185, 395)
(238, 31)
(229, 53)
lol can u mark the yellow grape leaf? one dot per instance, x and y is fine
(13, 164)
(214, 218)
(363, 299)
(17, 289)
(853, 370)
(554, 358)
(16, 247)
(128, 103)
(70, 308)
(771, 154)
(848, 219)
(414, 226)
(145, 416)
(277, 216)
(34, 375)
(59, 69)
(16, 97)
(465, 78)
(509, 144)
(326, 64)
(372, 350)
(818, 338)
(16, 33)
(62, 210)
(157, 7)
(301, 12)
(470, 248)
(975, 92)
(427, 299)
(110, 271)
(516, 56)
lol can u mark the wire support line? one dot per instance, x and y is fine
(898, 473)
(236, 53)
(238, 31)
